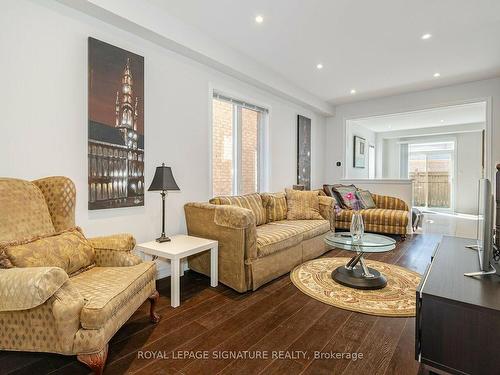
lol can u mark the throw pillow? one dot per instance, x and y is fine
(69, 250)
(341, 191)
(275, 205)
(366, 199)
(302, 205)
(329, 191)
(251, 202)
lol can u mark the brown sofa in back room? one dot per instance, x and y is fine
(256, 244)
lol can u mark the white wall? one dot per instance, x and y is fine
(44, 115)
(469, 160)
(363, 132)
(486, 89)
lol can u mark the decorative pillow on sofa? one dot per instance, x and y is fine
(251, 202)
(275, 205)
(328, 190)
(69, 250)
(340, 191)
(366, 199)
(302, 205)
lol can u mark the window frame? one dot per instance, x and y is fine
(262, 134)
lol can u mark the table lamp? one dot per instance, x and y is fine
(163, 181)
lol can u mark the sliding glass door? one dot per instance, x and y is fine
(431, 167)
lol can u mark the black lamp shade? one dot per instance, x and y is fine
(163, 180)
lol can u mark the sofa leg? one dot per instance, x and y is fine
(96, 361)
(403, 237)
(153, 299)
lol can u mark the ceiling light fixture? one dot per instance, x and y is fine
(441, 121)
(426, 36)
(353, 91)
(319, 66)
(436, 75)
(259, 19)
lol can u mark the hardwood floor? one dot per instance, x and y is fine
(277, 317)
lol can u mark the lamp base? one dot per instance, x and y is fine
(163, 238)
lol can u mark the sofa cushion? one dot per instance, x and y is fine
(272, 238)
(302, 205)
(107, 290)
(341, 191)
(69, 250)
(377, 216)
(308, 228)
(24, 211)
(251, 202)
(366, 199)
(275, 205)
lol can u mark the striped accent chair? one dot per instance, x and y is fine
(257, 243)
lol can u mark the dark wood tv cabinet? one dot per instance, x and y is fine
(458, 317)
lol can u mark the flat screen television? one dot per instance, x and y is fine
(485, 225)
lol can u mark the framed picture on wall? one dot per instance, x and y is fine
(359, 152)
(304, 152)
(115, 127)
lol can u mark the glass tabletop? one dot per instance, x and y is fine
(370, 243)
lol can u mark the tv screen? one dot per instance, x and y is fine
(485, 225)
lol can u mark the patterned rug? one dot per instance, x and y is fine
(397, 299)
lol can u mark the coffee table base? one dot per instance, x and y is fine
(354, 278)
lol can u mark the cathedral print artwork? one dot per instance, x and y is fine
(115, 127)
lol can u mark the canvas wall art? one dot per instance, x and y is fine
(115, 127)
(304, 152)
(359, 152)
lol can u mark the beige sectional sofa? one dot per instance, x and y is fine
(256, 241)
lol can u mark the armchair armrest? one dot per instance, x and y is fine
(26, 288)
(115, 242)
(115, 250)
(235, 230)
(390, 203)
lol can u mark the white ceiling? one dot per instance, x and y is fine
(472, 113)
(371, 46)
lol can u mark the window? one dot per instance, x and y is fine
(431, 167)
(236, 146)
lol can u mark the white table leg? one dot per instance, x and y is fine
(175, 283)
(214, 268)
(183, 266)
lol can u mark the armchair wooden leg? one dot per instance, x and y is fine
(96, 361)
(153, 299)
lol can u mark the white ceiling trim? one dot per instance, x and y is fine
(156, 26)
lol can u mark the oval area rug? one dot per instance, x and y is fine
(397, 299)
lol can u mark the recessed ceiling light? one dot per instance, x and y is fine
(436, 75)
(441, 121)
(319, 66)
(353, 91)
(426, 36)
(259, 19)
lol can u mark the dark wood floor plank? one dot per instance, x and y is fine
(320, 333)
(278, 339)
(249, 335)
(347, 339)
(233, 322)
(133, 363)
(378, 347)
(403, 359)
(154, 332)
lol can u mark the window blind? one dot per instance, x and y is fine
(241, 103)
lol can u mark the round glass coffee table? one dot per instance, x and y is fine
(352, 275)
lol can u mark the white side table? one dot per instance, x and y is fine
(182, 246)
